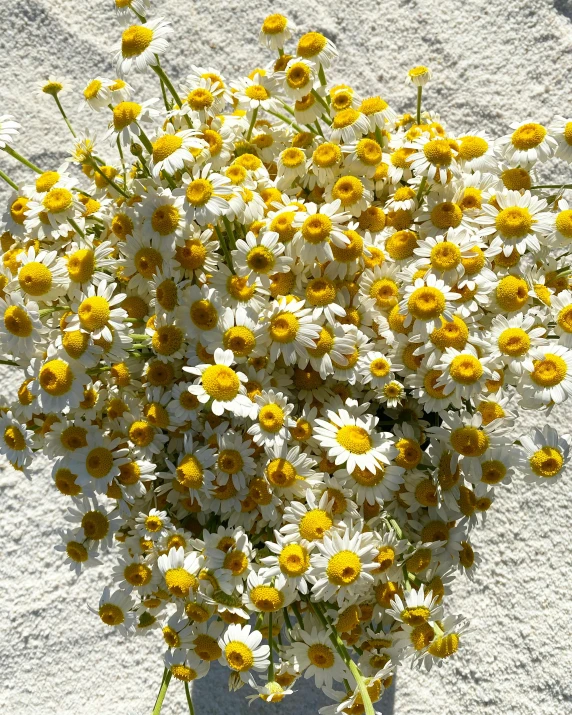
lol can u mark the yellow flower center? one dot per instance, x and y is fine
(445, 256)
(466, 369)
(111, 614)
(379, 367)
(320, 291)
(141, 433)
(18, 210)
(200, 98)
(469, 441)
(446, 215)
(95, 525)
(167, 339)
(81, 265)
(369, 153)
(166, 145)
(166, 294)
(129, 473)
(345, 118)
(190, 472)
(445, 646)
(438, 152)
(564, 223)
(310, 44)
(266, 598)
(257, 92)
(179, 582)
(321, 656)
(35, 278)
(77, 552)
(512, 293)
(236, 561)
(298, 75)
(94, 312)
(550, 371)
(294, 560)
(354, 439)
(416, 615)
(564, 319)
(401, 245)
(409, 453)
(239, 656)
(546, 462)
(281, 473)
(284, 327)
(327, 155)
(147, 261)
(514, 342)
(472, 147)
(56, 377)
(348, 189)
(373, 105)
(528, 136)
(135, 40)
(314, 524)
(274, 24)
(99, 462)
(220, 382)
(260, 259)
(271, 418)
(426, 493)
(14, 438)
(57, 200)
(17, 321)
(124, 114)
(351, 251)
(514, 222)
(165, 219)
(316, 228)
(199, 191)
(137, 574)
(426, 303)
(207, 648)
(343, 568)
(282, 224)
(203, 314)
(240, 340)
(46, 181)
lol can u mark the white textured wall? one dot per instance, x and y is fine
(494, 61)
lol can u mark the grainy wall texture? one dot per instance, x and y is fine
(494, 61)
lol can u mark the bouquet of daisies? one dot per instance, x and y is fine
(274, 338)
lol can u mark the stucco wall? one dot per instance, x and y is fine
(494, 62)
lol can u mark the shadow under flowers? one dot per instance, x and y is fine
(211, 697)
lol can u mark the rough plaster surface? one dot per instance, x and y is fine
(494, 61)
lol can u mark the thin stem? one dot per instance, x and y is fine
(227, 256)
(145, 140)
(9, 362)
(120, 150)
(287, 619)
(271, 645)
(552, 186)
(420, 190)
(320, 99)
(165, 100)
(298, 615)
(189, 699)
(109, 181)
(8, 180)
(76, 228)
(319, 128)
(167, 675)
(229, 231)
(395, 526)
(419, 94)
(252, 121)
(67, 121)
(322, 77)
(379, 136)
(367, 704)
(13, 153)
(285, 119)
(160, 72)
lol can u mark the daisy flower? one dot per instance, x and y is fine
(98, 463)
(140, 45)
(342, 567)
(425, 302)
(97, 94)
(290, 559)
(265, 596)
(434, 159)
(153, 526)
(79, 553)
(258, 92)
(518, 222)
(98, 312)
(58, 382)
(180, 571)
(240, 333)
(125, 10)
(463, 372)
(416, 609)
(242, 652)
(444, 644)
(15, 440)
(193, 474)
(274, 32)
(291, 329)
(511, 340)
(127, 116)
(199, 312)
(97, 524)
(115, 611)
(259, 257)
(173, 151)
(273, 420)
(476, 153)
(220, 385)
(561, 233)
(354, 193)
(561, 308)
(206, 195)
(315, 656)
(185, 665)
(545, 455)
(561, 131)
(445, 254)
(55, 211)
(418, 76)
(318, 228)
(353, 440)
(20, 326)
(204, 98)
(529, 142)
(547, 375)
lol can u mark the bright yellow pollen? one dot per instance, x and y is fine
(57, 200)
(445, 256)
(46, 181)
(564, 319)
(327, 155)
(239, 656)
(445, 646)
(17, 321)
(549, 371)
(410, 453)
(94, 313)
(257, 92)
(469, 441)
(203, 314)
(348, 189)
(294, 560)
(192, 254)
(266, 598)
(281, 473)
(56, 377)
(271, 418)
(564, 223)
(310, 44)
(240, 340)
(35, 279)
(512, 293)
(316, 228)
(167, 339)
(124, 114)
(472, 147)
(354, 439)
(165, 220)
(343, 568)
(415, 616)
(465, 369)
(274, 24)
(490, 411)
(284, 327)
(200, 98)
(369, 153)
(220, 382)
(18, 210)
(446, 215)
(207, 648)
(111, 614)
(199, 191)
(351, 251)
(514, 222)
(135, 40)
(438, 152)
(546, 462)
(314, 524)
(514, 342)
(379, 367)
(401, 245)
(236, 562)
(260, 259)
(14, 438)
(321, 656)
(141, 433)
(95, 525)
(528, 136)
(179, 582)
(426, 303)
(166, 145)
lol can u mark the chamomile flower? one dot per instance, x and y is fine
(180, 571)
(98, 463)
(9, 130)
(58, 383)
(547, 375)
(20, 325)
(273, 420)
(15, 440)
(425, 302)
(259, 257)
(418, 76)
(115, 610)
(125, 10)
(206, 195)
(173, 150)
(291, 330)
(204, 98)
(274, 32)
(529, 142)
(241, 651)
(221, 385)
(545, 455)
(98, 312)
(258, 92)
(79, 554)
(140, 45)
(315, 656)
(434, 159)
(511, 340)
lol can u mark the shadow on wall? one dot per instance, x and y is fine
(211, 697)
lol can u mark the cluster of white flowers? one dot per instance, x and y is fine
(275, 352)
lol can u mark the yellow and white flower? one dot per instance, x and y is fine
(529, 142)
(545, 455)
(140, 45)
(221, 385)
(242, 652)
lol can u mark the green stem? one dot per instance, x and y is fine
(252, 121)
(167, 675)
(419, 94)
(322, 77)
(395, 526)
(159, 71)
(227, 256)
(189, 699)
(76, 228)
(9, 181)
(285, 119)
(165, 100)
(14, 154)
(287, 619)
(229, 231)
(320, 99)
(298, 615)
(420, 190)
(319, 128)
(145, 140)
(271, 645)
(67, 121)
(367, 704)
(119, 148)
(109, 181)
(552, 186)
(379, 136)
(9, 362)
